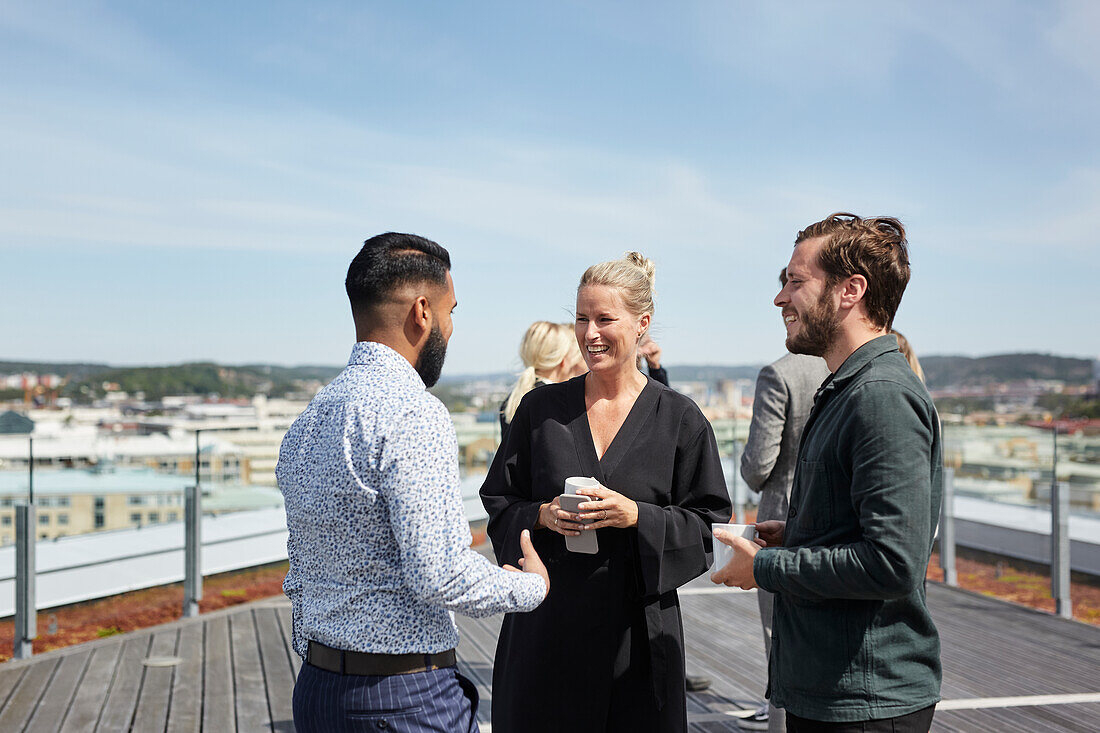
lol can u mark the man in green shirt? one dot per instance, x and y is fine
(853, 644)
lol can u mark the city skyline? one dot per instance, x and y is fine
(189, 183)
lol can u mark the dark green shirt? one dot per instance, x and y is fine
(852, 638)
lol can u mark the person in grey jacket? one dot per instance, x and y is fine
(853, 644)
(784, 395)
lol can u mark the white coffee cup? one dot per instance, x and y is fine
(723, 553)
(585, 542)
(580, 482)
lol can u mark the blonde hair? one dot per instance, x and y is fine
(906, 350)
(544, 346)
(633, 276)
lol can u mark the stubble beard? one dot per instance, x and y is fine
(429, 364)
(819, 328)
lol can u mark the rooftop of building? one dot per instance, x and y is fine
(80, 481)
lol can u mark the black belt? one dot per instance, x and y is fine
(365, 663)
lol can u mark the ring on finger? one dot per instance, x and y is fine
(604, 514)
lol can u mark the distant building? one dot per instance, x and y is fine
(89, 447)
(78, 502)
(71, 502)
(12, 423)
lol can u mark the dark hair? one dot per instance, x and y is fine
(390, 260)
(875, 248)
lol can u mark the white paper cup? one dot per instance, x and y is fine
(723, 553)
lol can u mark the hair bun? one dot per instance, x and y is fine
(633, 275)
(646, 264)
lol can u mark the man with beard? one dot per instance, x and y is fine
(784, 395)
(379, 547)
(853, 644)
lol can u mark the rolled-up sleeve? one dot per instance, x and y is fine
(422, 491)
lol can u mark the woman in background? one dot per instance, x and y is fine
(906, 350)
(550, 354)
(605, 650)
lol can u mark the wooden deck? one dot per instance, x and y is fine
(1006, 668)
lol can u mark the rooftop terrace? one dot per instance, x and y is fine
(1006, 668)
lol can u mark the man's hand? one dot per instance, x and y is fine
(652, 353)
(530, 562)
(738, 571)
(771, 532)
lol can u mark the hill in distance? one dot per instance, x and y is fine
(943, 371)
(964, 371)
(85, 380)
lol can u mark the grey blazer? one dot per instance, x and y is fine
(784, 395)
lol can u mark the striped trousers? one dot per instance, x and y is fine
(436, 701)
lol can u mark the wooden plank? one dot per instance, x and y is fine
(59, 695)
(1085, 718)
(974, 660)
(239, 668)
(278, 674)
(248, 675)
(92, 689)
(118, 710)
(476, 651)
(9, 678)
(218, 698)
(724, 641)
(286, 623)
(24, 698)
(151, 715)
(965, 615)
(185, 712)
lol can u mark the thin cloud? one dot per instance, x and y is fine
(1073, 36)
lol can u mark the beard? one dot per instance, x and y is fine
(819, 327)
(429, 364)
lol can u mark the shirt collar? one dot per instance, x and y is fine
(862, 356)
(378, 355)
(858, 359)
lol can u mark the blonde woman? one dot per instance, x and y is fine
(605, 651)
(906, 350)
(550, 354)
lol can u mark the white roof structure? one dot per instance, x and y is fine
(80, 443)
(82, 567)
(76, 481)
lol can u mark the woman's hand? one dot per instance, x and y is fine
(553, 517)
(609, 509)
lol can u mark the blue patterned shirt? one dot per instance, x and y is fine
(379, 547)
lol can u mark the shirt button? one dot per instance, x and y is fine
(791, 512)
(383, 724)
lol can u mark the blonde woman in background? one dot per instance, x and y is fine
(605, 651)
(906, 350)
(550, 354)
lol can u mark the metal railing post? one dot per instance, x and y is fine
(737, 497)
(1059, 549)
(192, 541)
(26, 613)
(30, 470)
(947, 528)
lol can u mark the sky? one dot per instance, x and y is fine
(189, 181)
